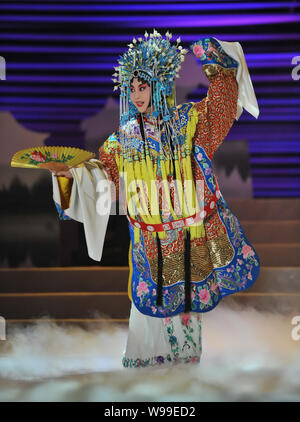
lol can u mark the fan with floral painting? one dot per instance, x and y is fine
(51, 158)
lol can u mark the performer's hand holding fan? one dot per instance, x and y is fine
(56, 159)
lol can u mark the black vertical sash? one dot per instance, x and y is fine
(187, 271)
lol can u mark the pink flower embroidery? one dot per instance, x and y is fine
(142, 288)
(240, 261)
(167, 320)
(204, 296)
(38, 156)
(54, 155)
(154, 292)
(247, 251)
(249, 276)
(193, 360)
(199, 156)
(198, 50)
(185, 318)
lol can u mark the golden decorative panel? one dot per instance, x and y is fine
(204, 258)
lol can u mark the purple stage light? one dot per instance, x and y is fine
(161, 21)
(95, 38)
(144, 7)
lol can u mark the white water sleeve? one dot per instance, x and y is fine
(90, 204)
(247, 98)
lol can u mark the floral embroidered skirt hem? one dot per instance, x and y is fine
(162, 342)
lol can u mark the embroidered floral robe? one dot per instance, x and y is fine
(223, 262)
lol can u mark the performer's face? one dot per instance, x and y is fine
(140, 95)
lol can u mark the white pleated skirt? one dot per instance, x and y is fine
(162, 342)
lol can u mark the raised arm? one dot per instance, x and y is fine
(217, 111)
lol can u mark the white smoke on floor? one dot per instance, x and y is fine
(247, 356)
(47, 349)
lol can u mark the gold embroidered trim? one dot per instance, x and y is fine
(204, 258)
(214, 69)
(221, 251)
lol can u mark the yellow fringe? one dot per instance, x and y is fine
(149, 174)
(197, 230)
(138, 176)
(180, 185)
(130, 178)
(166, 188)
(145, 170)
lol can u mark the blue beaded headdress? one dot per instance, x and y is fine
(158, 62)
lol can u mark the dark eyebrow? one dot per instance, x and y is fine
(131, 86)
